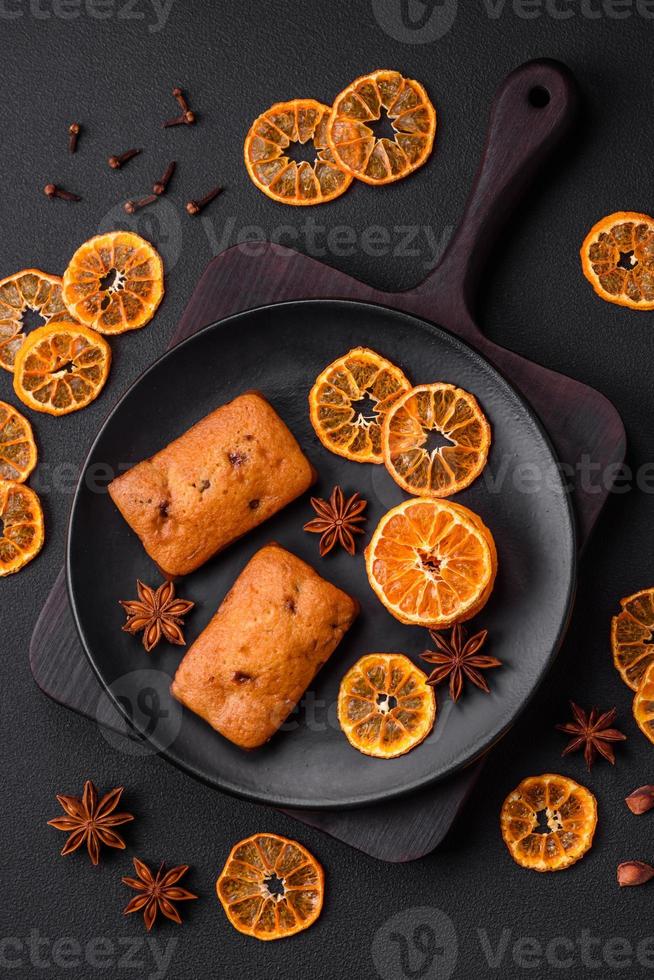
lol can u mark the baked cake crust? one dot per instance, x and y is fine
(227, 474)
(274, 630)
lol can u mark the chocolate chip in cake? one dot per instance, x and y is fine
(253, 504)
(290, 605)
(204, 485)
(237, 458)
(240, 677)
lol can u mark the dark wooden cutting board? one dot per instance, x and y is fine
(532, 112)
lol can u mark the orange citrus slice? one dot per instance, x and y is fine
(21, 526)
(29, 290)
(271, 887)
(456, 418)
(570, 814)
(346, 428)
(632, 637)
(431, 563)
(643, 706)
(412, 117)
(17, 446)
(281, 178)
(617, 258)
(114, 282)
(385, 706)
(61, 368)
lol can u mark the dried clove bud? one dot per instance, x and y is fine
(634, 873)
(178, 94)
(132, 206)
(641, 800)
(51, 190)
(116, 162)
(73, 136)
(187, 118)
(194, 207)
(160, 186)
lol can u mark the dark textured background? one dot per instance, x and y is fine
(61, 62)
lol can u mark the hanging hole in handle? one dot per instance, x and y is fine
(539, 97)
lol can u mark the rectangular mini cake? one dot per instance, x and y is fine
(228, 473)
(275, 629)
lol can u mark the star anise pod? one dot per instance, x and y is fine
(337, 520)
(157, 894)
(593, 731)
(90, 821)
(158, 613)
(459, 659)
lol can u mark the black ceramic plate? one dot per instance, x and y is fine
(279, 350)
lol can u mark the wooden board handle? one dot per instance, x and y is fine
(532, 111)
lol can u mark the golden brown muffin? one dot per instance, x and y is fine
(275, 629)
(228, 473)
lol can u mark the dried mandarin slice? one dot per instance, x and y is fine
(21, 524)
(352, 140)
(17, 446)
(281, 178)
(28, 291)
(271, 887)
(643, 706)
(617, 258)
(632, 637)
(114, 282)
(570, 815)
(456, 418)
(431, 563)
(349, 400)
(61, 368)
(385, 706)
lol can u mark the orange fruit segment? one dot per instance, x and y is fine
(569, 813)
(454, 415)
(271, 887)
(352, 140)
(281, 178)
(431, 563)
(632, 637)
(344, 427)
(17, 446)
(617, 258)
(385, 706)
(61, 368)
(114, 282)
(643, 706)
(21, 526)
(32, 290)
